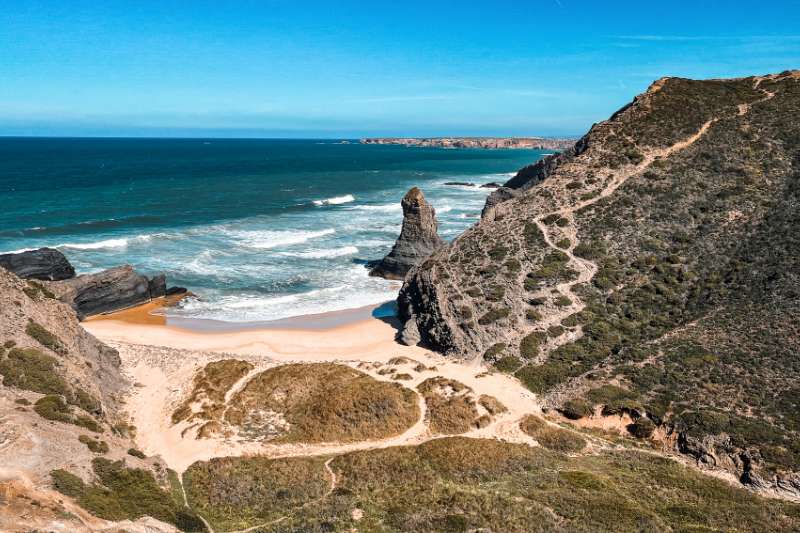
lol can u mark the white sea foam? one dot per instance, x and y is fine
(384, 208)
(336, 200)
(105, 244)
(323, 253)
(21, 250)
(267, 239)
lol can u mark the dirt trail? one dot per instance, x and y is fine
(587, 269)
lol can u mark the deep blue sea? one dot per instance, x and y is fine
(258, 229)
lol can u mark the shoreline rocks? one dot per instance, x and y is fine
(418, 238)
(44, 264)
(111, 290)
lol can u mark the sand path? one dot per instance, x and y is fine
(161, 362)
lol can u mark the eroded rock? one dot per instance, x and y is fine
(418, 238)
(47, 264)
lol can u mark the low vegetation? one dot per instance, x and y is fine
(552, 438)
(321, 403)
(122, 493)
(236, 493)
(451, 407)
(460, 484)
(209, 388)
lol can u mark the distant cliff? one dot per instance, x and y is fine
(530, 143)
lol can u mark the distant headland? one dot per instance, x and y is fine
(530, 143)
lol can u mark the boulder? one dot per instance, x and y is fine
(418, 238)
(491, 185)
(110, 290)
(45, 264)
(409, 335)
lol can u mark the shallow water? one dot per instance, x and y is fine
(259, 229)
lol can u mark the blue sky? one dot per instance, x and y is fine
(347, 69)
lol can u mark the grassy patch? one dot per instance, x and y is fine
(44, 337)
(125, 493)
(30, 369)
(450, 406)
(463, 484)
(235, 493)
(323, 403)
(493, 316)
(210, 385)
(552, 438)
(94, 445)
(54, 407)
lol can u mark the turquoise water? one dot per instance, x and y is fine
(258, 229)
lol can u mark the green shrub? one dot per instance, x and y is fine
(541, 378)
(493, 315)
(533, 315)
(493, 351)
(508, 364)
(564, 243)
(96, 446)
(44, 337)
(555, 331)
(562, 301)
(529, 345)
(125, 494)
(67, 484)
(53, 407)
(571, 321)
(30, 369)
(136, 453)
(576, 408)
(642, 428)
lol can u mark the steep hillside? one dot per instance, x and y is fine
(658, 258)
(62, 425)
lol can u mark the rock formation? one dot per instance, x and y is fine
(45, 264)
(417, 240)
(650, 270)
(110, 290)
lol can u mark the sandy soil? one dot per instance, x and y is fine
(162, 360)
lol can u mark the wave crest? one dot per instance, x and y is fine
(336, 200)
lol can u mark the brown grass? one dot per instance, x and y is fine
(210, 386)
(451, 405)
(324, 403)
(552, 438)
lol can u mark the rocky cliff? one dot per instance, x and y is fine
(42, 264)
(649, 270)
(418, 238)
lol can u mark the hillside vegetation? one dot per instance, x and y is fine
(658, 257)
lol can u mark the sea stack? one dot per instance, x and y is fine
(418, 238)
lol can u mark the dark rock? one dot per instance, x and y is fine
(491, 185)
(417, 240)
(110, 290)
(45, 264)
(173, 291)
(158, 286)
(460, 183)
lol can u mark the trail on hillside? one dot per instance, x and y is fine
(587, 269)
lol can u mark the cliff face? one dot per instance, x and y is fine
(655, 256)
(418, 238)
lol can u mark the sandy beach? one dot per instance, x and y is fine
(161, 359)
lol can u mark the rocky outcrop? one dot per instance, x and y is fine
(45, 264)
(110, 290)
(418, 238)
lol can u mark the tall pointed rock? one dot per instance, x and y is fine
(417, 240)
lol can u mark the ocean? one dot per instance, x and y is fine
(258, 229)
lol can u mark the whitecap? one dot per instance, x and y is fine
(385, 208)
(324, 253)
(264, 240)
(104, 244)
(336, 200)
